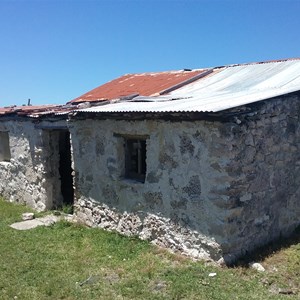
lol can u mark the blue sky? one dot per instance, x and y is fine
(53, 51)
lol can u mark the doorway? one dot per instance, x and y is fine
(65, 168)
(58, 168)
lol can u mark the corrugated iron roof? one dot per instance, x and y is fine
(146, 84)
(211, 90)
(225, 88)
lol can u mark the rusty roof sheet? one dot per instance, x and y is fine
(35, 111)
(145, 84)
(25, 109)
(225, 88)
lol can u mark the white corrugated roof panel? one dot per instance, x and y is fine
(226, 88)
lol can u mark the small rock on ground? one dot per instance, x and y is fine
(27, 216)
(257, 266)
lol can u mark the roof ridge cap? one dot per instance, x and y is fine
(165, 72)
(260, 62)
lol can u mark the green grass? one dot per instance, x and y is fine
(68, 261)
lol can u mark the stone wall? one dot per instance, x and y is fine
(31, 175)
(213, 189)
(261, 150)
(173, 207)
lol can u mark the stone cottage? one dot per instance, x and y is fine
(207, 164)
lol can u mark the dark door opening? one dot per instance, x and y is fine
(65, 168)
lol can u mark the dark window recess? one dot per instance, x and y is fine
(135, 159)
(4, 147)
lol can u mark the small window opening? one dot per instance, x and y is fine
(4, 146)
(135, 159)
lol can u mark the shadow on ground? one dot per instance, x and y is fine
(261, 253)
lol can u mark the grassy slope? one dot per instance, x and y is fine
(53, 263)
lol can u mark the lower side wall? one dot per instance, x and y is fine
(159, 230)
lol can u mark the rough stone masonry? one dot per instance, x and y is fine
(31, 175)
